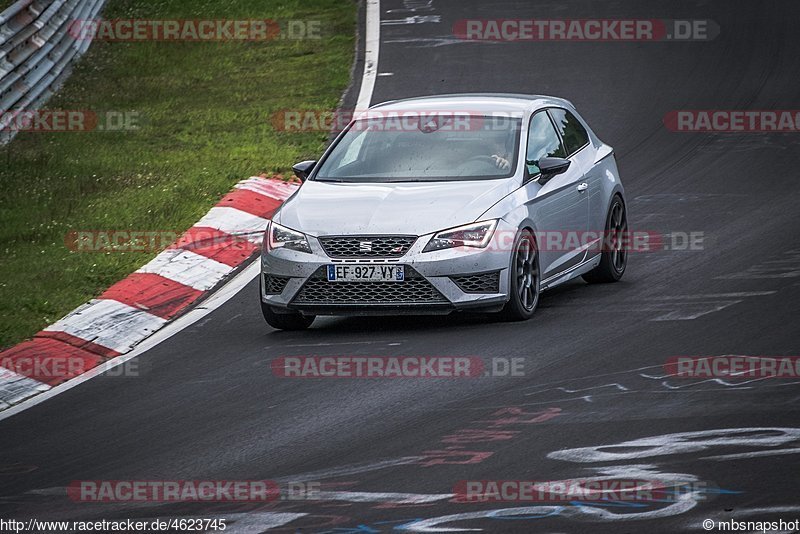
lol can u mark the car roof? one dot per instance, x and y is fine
(474, 102)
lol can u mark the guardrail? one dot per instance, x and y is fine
(36, 51)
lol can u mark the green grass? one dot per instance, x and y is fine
(204, 110)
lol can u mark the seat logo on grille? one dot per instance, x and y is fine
(365, 246)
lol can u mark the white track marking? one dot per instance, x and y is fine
(770, 269)
(424, 19)
(372, 44)
(739, 384)
(258, 522)
(347, 496)
(760, 275)
(15, 387)
(352, 469)
(688, 313)
(370, 496)
(268, 188)
(682, 504)
(683, 307)
(237, 283)
(220, 297)
(735, 295)
(235, 222)
(187, 268)
(754, 454)
(589, 398)
(680, 443)
(109, 323)
(694, 306)
(620, 387)
(344, 343)
(780, 509)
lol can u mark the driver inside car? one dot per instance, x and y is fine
(500, 155)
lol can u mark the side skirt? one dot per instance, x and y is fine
(573, 272)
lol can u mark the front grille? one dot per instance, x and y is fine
(274, 285)
(415, 289)
(478, 283)
(367, 246)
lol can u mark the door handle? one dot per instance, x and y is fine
(583, 186)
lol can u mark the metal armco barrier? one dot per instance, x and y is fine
(36, 51)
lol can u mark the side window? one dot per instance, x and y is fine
(542, 142)
(572, 131)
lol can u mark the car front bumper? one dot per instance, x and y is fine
(436, 282)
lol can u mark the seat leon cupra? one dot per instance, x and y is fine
(445, 203)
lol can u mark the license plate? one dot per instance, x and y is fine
(366, 273)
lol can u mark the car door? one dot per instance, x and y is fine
(559, 206)
(581, 152)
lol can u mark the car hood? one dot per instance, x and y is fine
(333, 208)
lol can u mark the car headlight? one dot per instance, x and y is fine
(281, 237)
(475, 235)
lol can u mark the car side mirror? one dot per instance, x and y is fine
(549, 167)
(303, 169)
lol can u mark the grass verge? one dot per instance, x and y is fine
(203, 112)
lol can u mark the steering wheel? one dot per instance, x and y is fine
(483, 160)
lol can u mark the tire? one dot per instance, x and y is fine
(524, 279)
(614, 257)
(284, 321)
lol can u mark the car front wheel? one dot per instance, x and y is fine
(524, 279)
(284, 321)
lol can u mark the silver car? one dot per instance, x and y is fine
(444, 203)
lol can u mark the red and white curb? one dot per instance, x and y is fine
(133, 309)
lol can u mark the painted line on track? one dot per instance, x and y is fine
(372, 45)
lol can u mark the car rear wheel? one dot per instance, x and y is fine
(614, 257)
(285, 321)
(524, 279)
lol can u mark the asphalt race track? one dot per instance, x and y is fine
(387, 453)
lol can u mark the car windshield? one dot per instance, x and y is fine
(424, 148)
